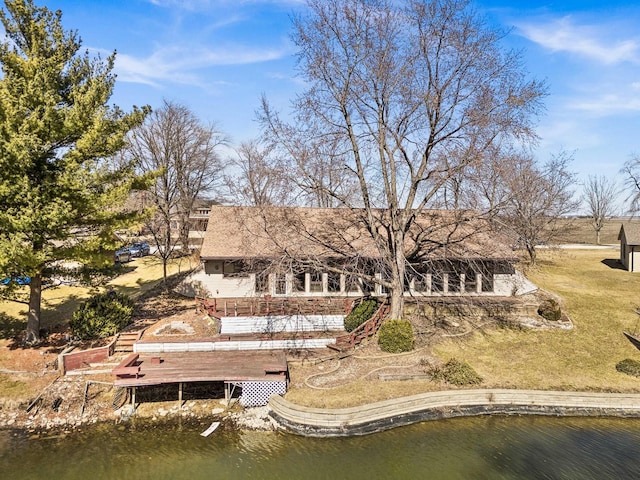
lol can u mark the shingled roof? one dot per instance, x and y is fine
(631, 233)
(268, 232)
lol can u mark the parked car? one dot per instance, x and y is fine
(140, 249)
(122, 255)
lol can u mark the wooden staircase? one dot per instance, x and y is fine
(126, 339)
(364, 331)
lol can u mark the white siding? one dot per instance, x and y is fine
(298, 343)
(281, 323)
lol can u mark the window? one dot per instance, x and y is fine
(315, 282)
(470, 281)
(437, 282)
(487, 282)
(333, 282)
(352, 284)
(299, 282)
(281, 284)
(454, 282)
(420, 283)
(234, 268)
(262, 282)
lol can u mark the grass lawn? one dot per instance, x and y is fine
(600, 299)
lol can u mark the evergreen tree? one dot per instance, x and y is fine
(59, 192)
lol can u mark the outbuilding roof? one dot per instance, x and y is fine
(298, 232)
(630, 232)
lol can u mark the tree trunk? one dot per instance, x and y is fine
(164, 274)
(33, 317)
(397, 303)
(531, 250)
(597, 237)
(397, 280)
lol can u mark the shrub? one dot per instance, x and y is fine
(630, 367)
(550, 310)
(396, 336)
(101, 316)
(360, 314)
(456, 372)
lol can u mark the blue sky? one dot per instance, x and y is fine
(219, 56)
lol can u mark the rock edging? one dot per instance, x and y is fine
(379, 416)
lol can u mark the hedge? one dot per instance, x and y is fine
(101, 316)
(456, 372)
(360, 314)
(396, 336)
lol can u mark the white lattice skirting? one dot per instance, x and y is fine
(256, 394)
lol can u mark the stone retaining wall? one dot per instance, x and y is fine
(379, 416)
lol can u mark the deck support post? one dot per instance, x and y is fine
(133, 397)
(226, 393)
(180, 395)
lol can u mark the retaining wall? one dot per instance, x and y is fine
(75, 360)
(379, 416)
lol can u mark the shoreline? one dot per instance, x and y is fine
(286, 416)
(380, 416)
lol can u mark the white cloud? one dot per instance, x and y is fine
(202, 5)
(182, 65)
(563, 35)
(607, 104)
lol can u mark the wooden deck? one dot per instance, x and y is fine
(188, 367)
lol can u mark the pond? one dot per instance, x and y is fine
(464, 448)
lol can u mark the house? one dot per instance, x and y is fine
(629, 237)
(316, 252)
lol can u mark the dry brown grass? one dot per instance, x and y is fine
(59, 303)
(599, 298)
(580, 230)
(24, 372)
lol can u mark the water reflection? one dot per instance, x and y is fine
(472, 448)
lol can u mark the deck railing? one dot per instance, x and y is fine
(267, 305)
(365, 330)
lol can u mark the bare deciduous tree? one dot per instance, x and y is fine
(408, 94)
(631, 172)
(182, 152)
(260, 179)
(539, 196)
(599, 193)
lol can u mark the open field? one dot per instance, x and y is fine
(600, 299)
(580, 230)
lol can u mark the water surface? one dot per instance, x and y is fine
(463, 448)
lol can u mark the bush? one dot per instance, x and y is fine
(396, 336)
(360, 314)
(101, 316)
(550, 310)
(630, 367)
(456, 372)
